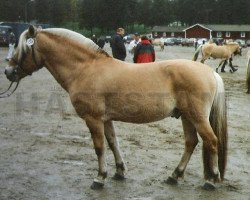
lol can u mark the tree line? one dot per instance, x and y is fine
(106, 15)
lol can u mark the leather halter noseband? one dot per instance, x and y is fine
(20, 64)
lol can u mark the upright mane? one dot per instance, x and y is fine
(88, 43)
(76, 37)
(73, 36)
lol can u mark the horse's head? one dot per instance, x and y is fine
(26, 59)
(236, 49)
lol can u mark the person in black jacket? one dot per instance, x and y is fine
(118, 46)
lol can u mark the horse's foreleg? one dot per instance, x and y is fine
(96, 128)
(224, 64)
(210, 153)
(114, 146)
(191, 140)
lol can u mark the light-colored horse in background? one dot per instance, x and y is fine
(248, 72)
(103, 89)
(158, 42)
(224, 53)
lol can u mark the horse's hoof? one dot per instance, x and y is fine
(208, 186)
(118, 177)
(171, 181)
(96, 186)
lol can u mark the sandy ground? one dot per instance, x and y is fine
(46, 151)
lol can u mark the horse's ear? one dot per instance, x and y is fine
(31, 31)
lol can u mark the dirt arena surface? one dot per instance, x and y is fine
(46, 151)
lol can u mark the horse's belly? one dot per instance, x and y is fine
(141, 111)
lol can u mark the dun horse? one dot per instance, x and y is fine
(248, 72)
(224, 52)
(103, 89)
(158, 42)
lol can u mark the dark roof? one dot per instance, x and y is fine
(212, 27)
(223, 27)
(168, 28)
(227, 27)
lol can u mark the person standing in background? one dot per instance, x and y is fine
(12, 42)
(118, 46)
(133, 43)
(94, 39)
(144, 51)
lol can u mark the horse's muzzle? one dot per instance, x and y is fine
(11, 74)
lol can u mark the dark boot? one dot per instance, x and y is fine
(232, 70)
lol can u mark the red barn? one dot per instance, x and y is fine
(204, 31)
(218, 31)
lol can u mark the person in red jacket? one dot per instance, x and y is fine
(144, 51)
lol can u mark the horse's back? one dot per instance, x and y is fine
(178, 71)
(190, 75)
(216, 51)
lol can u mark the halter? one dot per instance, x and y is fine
(20, 64)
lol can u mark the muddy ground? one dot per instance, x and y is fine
(46, 151)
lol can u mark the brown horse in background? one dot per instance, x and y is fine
(103, 89)
(248, 72)
(224, 52)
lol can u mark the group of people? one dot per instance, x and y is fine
(141, 47)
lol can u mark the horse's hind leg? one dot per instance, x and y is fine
(96, 128)
(210, 153)
(114, 146)
(191, 141)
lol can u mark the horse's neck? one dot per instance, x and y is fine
(232, 47)
(66, 63)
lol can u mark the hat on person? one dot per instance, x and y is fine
(137, 34)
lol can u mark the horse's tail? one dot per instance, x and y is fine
(196, 54)
(248, 75)
(218, 121)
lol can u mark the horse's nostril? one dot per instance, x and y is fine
(8, 71)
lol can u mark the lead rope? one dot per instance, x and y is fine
(9, 94)
(7, 89)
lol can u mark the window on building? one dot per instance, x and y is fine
(242, 34)
(219, 34)
(172, 34)
(228, 34)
